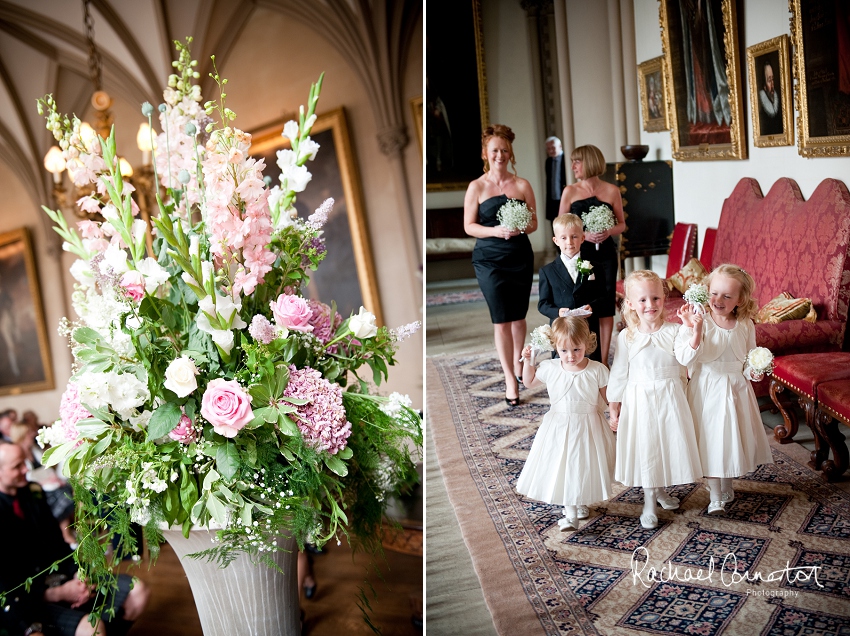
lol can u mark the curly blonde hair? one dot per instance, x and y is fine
(502, 132)
(576, 330)
(630, 315)
(747, 306)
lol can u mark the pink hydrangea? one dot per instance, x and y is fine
(71, 412)
(320, 320)
(322, 421)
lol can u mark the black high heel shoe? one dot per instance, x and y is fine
(512, 402)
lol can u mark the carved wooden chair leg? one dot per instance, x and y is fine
(783, 433)
(827, 429)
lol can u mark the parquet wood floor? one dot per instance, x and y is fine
(333, 611)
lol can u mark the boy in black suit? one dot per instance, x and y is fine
(568, 282)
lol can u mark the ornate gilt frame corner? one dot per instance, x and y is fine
(416, 108)
(782, 45)
(269, 137)
(645, 69)
(737, 148)
(828, 146)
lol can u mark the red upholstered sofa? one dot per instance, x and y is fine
(791, 245)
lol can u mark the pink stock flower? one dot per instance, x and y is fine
(134, 284)
(184, 432)
(292, 312)
(322, 421)
(226, 406)
(262, 330)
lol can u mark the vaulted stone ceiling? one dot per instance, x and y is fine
(43, 49)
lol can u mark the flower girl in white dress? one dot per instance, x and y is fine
(571, 459)
(656, 445)
(731, 437)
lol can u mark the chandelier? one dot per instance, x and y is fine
(141, 177)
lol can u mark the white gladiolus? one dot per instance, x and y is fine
(155, 275)
(115, 258)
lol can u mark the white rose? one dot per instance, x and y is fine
(180, 376)
(760, 359)
(362, 324)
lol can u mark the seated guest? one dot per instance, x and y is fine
(31, 541)
(7, 418)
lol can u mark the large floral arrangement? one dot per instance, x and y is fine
(206, 390)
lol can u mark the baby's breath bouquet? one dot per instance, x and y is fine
(207, 391)
(514, 215)
(541, 341)
(598, 218)
(697, 296)
(760, 361)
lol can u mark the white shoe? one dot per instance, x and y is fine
(716, 507)
(566, 524)
(583, 512)
(727, 497)
(666, 501)
(648, 521)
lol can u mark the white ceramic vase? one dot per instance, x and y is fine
(243, 598)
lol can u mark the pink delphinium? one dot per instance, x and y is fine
(323, 328)
(322, 421)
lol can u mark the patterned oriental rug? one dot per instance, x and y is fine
(453, 298)
(786, 525)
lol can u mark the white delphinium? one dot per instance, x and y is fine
(126, 392)
(140, 422)
(514, 215)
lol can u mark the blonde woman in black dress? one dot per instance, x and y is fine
(588, 164)
(502, 258)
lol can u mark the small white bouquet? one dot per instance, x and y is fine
(760, 360)
(697, 295)
(598, 219)
(541, 341)
(514, 215)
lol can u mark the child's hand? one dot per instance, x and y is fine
(686, 314)
(588, 308)
(614, 415)
(526, 352)
(698, 320)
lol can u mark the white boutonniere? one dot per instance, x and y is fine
(584, 267)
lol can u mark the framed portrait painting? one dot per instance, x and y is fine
(455, 94)
(24, 353)
(653, 95)
(820, 33)
(347, 275)
(771, 102)
(702, 62)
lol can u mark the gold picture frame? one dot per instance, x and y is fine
(347, 275)
(706, 117)
(823, 120)
(771, 101)
(416, 108)
(653, 95)
(25, 364)
(456, 111)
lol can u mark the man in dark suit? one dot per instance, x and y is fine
(568, 282)
(556, 177)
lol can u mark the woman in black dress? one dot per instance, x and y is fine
(590, 191)
(502, 258)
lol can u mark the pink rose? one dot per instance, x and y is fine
(184, 432)
(226, 406)
(292, 312)
(134, 284)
